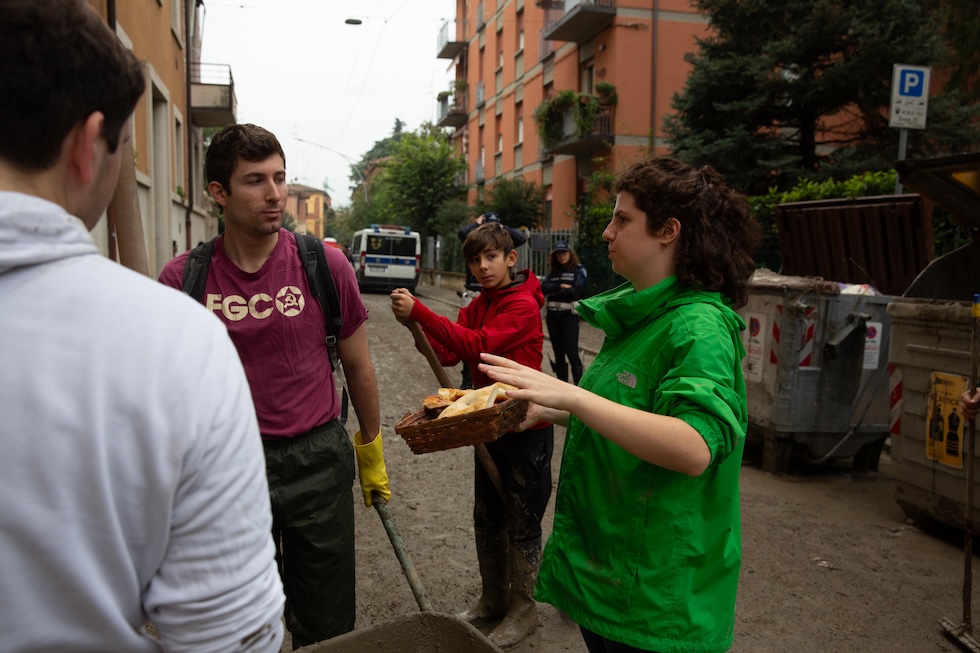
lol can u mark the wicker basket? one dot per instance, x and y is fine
(424, 435)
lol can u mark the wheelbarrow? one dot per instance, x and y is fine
(422, 632)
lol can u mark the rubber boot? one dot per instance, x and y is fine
(522, 616)
(491, 552)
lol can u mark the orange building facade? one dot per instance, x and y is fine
(182, 97)
(510, 56)
(309, 206)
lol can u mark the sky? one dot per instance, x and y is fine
(326, 89)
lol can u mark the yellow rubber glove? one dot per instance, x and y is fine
(371, 468)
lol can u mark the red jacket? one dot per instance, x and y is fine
(506, 322)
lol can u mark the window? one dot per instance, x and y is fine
(176, 12)
(520, 31)
(179, 144)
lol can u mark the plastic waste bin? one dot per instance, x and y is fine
(930, 351)
(815, 369)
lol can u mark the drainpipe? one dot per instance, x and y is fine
(189, 6)
(653, 79)
(110, 217)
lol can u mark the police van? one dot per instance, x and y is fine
(386, 257)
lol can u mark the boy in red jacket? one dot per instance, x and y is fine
(504, 319)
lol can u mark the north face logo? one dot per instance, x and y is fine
(627, 378)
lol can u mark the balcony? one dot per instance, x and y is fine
(582, 19)
(213, 102)
(447, 49)
(574, 142)
(452, 112)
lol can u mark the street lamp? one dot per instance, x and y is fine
(352, 163)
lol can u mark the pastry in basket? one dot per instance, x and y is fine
(477, 400)
(443, 398)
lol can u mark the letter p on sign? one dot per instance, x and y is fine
(911, 83)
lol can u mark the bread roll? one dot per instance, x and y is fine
(477, 400)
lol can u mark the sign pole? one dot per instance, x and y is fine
(903, 144)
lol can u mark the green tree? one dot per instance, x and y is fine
(519, 203)
(288, 221)
(593, 214)
(801, 88)
(421, 175)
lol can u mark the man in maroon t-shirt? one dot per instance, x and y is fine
(258, 287)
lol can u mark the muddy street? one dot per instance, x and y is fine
(830, 563)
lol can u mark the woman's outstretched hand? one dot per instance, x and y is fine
(550, 398)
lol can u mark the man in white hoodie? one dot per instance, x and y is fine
(132, 481)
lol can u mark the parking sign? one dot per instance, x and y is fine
(910, 96)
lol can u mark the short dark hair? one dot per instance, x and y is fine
(59, 64)
(245, 141)
(718, 230)
(489, 236)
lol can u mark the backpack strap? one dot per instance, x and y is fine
(196, 270)
(321, 285)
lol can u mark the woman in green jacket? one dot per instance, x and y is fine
(646, 545)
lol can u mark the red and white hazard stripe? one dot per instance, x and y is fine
(806, 342)
(895, 398)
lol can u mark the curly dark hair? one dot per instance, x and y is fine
(718, 230)
(59, 64)
(555, 266)
(244, 141)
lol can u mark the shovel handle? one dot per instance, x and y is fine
(398, 545)
(430, 355)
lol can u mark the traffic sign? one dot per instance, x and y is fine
(910, 96)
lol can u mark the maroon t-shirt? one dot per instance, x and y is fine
(277, 326)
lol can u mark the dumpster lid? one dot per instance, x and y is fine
(952, 182)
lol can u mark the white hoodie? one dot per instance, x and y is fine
(132, 481)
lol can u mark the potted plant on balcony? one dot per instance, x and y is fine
(459, 88)
(606, 93)
(550, 114)
(587, 108)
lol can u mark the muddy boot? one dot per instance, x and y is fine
(491, 552)
(522, 616)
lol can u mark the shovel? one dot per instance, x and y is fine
(398, 545)
(481, 450)
(963, 633)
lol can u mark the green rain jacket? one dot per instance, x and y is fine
(640, 554)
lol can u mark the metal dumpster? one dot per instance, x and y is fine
(815, 369)
(422, 632)
(930, 351)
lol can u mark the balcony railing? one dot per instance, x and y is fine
(580, 21)
(213, 102)
(447, 46)
(573, 142)
(452, 112)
